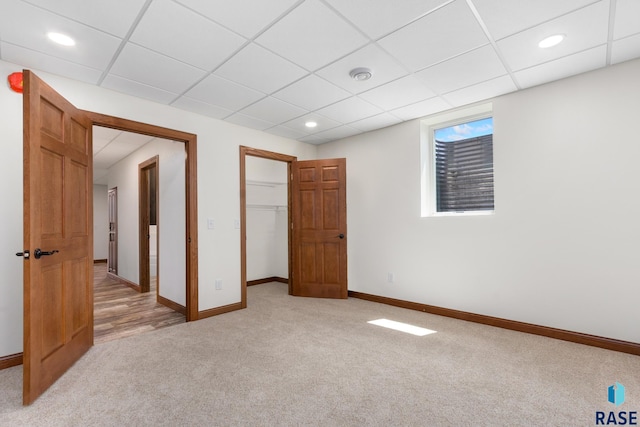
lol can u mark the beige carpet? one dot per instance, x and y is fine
(289, 361)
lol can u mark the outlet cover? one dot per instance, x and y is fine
(218, 284)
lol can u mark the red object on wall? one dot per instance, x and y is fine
(15, 82)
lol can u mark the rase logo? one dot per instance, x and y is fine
(615, 395)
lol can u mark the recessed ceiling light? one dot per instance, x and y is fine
(551, 41)
(360, 74)
(62, 39)
(311, 124)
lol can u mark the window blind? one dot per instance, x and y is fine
(464, 174)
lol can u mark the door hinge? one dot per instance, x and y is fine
(291, 177)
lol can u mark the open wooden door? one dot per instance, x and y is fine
(319, 206)
(58, 239)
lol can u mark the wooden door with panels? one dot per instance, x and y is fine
(58, 238)
(319, 228)
(317, 205)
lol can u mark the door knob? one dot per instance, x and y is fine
(39, 253)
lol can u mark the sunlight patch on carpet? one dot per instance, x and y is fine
(402, 327)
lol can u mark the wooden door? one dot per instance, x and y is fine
(58, 220)
(112, 261)
(319, 205)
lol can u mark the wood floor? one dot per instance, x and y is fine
(119, 311)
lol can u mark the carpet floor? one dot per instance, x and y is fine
(287, 361)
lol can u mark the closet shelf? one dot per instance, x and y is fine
(267, 207)
(264, 183)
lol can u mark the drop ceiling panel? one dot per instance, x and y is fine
(285, 132)
(321, 36)
(422, 108)
(140, 90)
(625, 49)
(504, 18)
(464, 70)
(113, 16)
(93, 48)
(224, 93)
(375, 122)
(481, 91)
(38, 61)
(259, 69)
(273, 110)
(627, 19)
(199, 107)
(380, 17)
(145, 66)
(584, 29)
(350, 110)
(401, 92)
(563, 67)
(384, 69)
(337, 133)
(443, 34)
(205, 45)
(248, 121)
(312, 93)
(246, 17)
(323, 123)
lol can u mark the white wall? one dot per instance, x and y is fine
(171, 216)
(267, 238)
(562, 249)
(10, 217)
(218, 188)
(100, 222)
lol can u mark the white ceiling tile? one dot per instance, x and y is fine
(260, 69)
(321, 36)
(422, 108)
(384, 69)
(113, 16)
(312, 93)
(464, 70)
(199, 107)
(285, 132)
(584, 29)
(323, 123)
(145, 66)
(350, 110)
(379, 17)
(504, 18)
(102, 136)
(563, 67)
(273, 110)
(93, 48)
(224, 93)
(337, 133)
(398, 93)
(39, 61)
(315, 140)
(375, 122)
(445, 33)
(625, 49)
(247, 17)
(206, 44)
(248, 121)
(481, 91)
(140, 90)
(627, 20)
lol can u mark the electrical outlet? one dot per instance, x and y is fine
(218, 284)
(391, 277)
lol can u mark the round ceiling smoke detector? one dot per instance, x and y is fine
(360, 74)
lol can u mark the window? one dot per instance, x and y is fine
(458, 167)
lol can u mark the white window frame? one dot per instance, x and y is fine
(429, 207)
